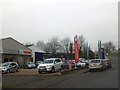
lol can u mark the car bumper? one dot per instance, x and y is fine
(44, 69)
(4, 71)
(97, 67)
(31, 66)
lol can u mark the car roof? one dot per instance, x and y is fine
(10, 62)
(81, 58)
(52, 58)
(96, 59)
(39, 61)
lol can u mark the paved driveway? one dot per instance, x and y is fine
(33, 72)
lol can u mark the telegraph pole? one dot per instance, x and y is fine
(99, 50)
(88, 48)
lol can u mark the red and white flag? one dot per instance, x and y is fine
(76, 49)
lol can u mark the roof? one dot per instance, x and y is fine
(52, 58)
(34, 48)
(12, 46)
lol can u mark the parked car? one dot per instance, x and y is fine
(78, 64)
(84, 61)
(73, 63)
(8, 67)
(29, 65)
(108, 63)
(97, 64)
(51, 65)
(38, 62)
(81, 64)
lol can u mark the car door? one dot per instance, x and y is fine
(59, 63)
(13, 67)
(56, 64)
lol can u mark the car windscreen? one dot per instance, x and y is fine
(5, 64)
(48, 61)
(29, 63)
(81, 62)
(39, 62)
(95, 61)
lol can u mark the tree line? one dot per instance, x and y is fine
(66, 45)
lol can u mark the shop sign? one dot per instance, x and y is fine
(25, 52)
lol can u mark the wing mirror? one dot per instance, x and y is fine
(55, 62)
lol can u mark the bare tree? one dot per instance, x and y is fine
(81, 41)
(53, 45)
(109, 46)
(66, 44)
(47, 47)
(41, 45)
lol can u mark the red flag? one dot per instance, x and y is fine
(76, 49)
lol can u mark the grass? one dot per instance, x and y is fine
(115, 54)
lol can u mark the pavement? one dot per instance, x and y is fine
(33, 72)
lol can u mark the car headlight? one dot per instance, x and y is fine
(4, 68)
(48, 66)
(29, 65)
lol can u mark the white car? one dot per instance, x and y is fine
(50, 65)
(81, 64)
(83, 60)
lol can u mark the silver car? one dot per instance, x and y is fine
(8, 67)
(97, 64)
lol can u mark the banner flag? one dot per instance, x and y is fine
(76, 49)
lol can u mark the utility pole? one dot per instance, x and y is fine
(88, 48)
(99, 50)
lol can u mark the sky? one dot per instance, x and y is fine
(34, 20)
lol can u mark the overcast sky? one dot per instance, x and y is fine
(33, 20)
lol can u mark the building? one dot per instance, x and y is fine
(37, 54)
(12, 50)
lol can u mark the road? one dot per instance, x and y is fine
(73, 79)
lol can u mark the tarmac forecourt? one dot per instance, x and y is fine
(33, 72)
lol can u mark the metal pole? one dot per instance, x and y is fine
(87, 51)
(100, 51)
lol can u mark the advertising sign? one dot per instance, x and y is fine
(76, 49)
(25, 52)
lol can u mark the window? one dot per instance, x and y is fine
(95, 61)
(48, 61)
(58, 60)
(13, 64)
(5, 59)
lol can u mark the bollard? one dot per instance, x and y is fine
(70, 64)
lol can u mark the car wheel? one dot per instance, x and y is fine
(53, 69)
(17, 70)
(39, 72)
(8, 71)
(61, 68)
(110, 66)
(90, 70)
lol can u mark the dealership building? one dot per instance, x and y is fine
(12, 50)
(37, 54)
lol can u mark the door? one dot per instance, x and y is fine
(58, 64)
(13, 67)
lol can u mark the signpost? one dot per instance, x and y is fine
(70, 64)
(101, 52)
